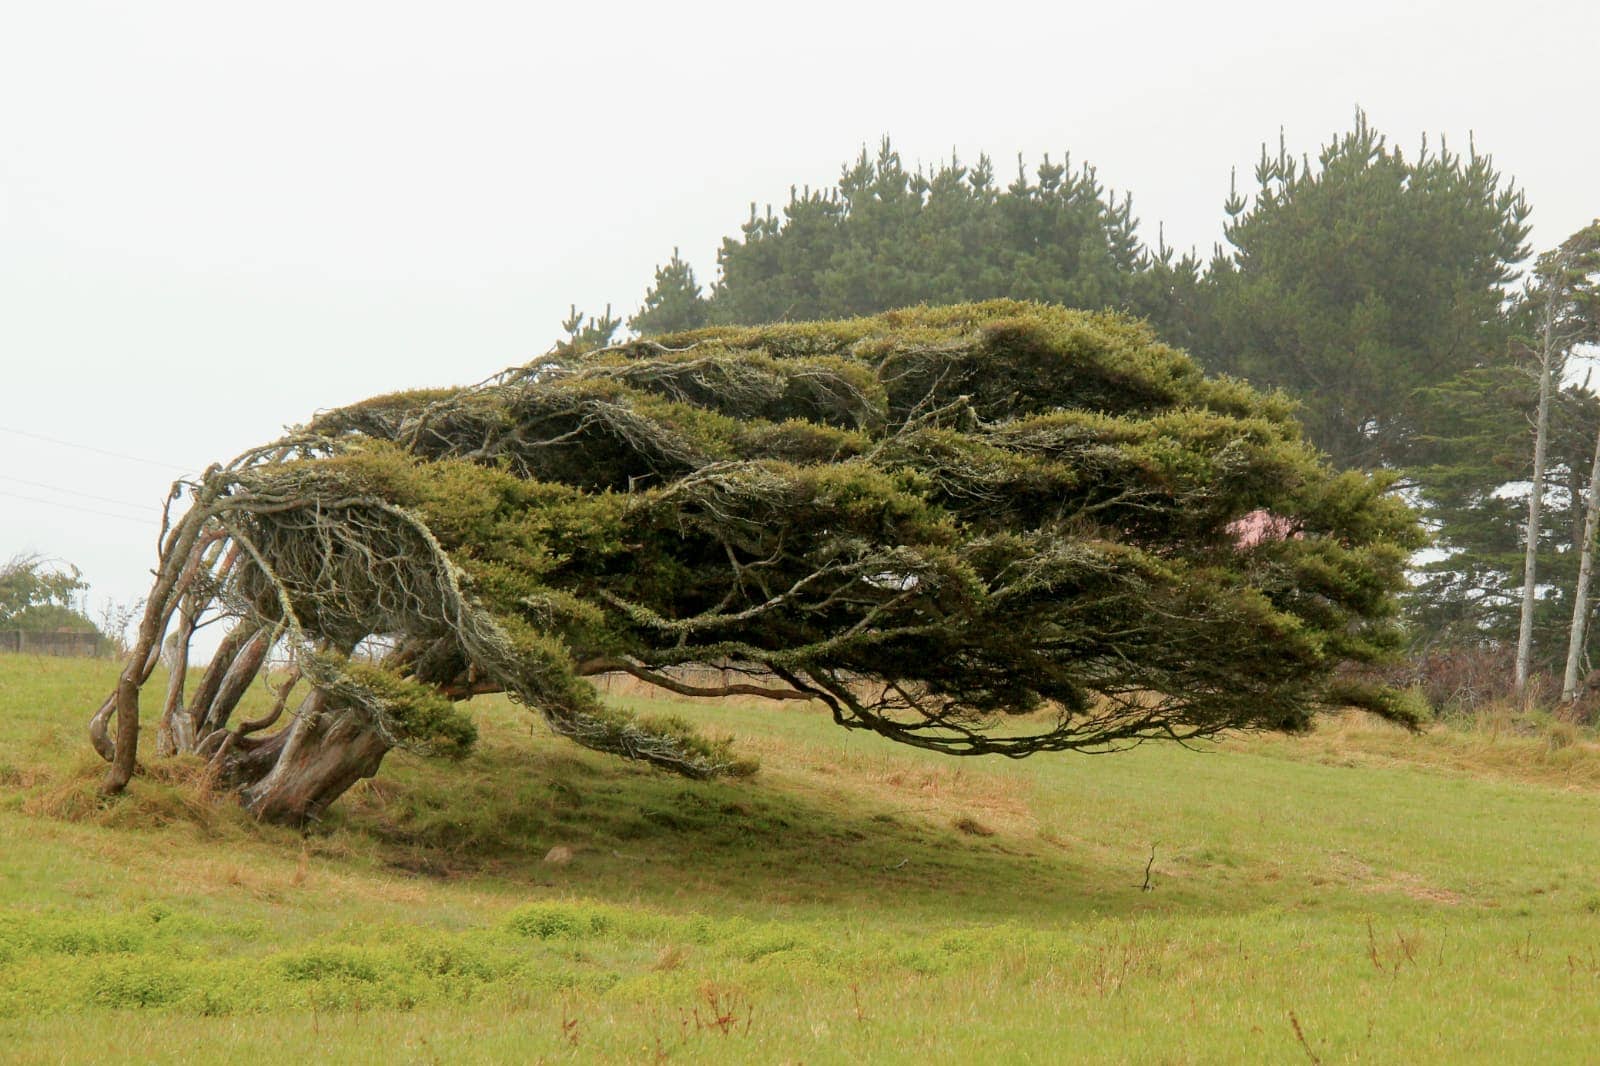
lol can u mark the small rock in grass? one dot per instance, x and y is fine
(560, 855)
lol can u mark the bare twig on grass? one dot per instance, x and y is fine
(1300, 1035)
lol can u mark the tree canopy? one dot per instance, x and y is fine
(1357, 281)
(1373, 285)
(1351, 280)
(995, 528)
(37, 596)
(886, 237)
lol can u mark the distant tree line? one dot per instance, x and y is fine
(38, 596)
(1388, 292)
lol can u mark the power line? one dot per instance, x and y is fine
(75, 492)
(73, 507)
(92, 448)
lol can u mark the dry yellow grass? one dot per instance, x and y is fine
(1499, 747)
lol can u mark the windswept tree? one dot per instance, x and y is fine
(986, 529)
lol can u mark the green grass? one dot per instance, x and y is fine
(1389, 897)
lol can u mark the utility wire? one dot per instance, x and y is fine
(92, 448)
(74, 507)
(75, 492)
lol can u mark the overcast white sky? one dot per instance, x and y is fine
(216, 217)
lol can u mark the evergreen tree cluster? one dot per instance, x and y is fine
(1350, 283)
(1358, 281)
(1376, 286)
(887, 237)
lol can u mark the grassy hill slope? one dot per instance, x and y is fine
(1359, 894)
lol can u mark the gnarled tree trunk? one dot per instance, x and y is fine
(289, 776)
(313, 761)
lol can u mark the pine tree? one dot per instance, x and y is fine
(1354, 281)
(673, 304)
(584, 334)
(885, 237)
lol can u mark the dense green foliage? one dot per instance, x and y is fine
(1471, 472)
(674, 303)
(936, 522)
(1350, 283)
(885, 237)
(1371, 284)
(37, 597)
(1355, 282)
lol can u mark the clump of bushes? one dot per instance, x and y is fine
(1473, 687)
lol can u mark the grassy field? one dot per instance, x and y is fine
(1357, 895)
